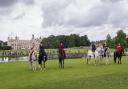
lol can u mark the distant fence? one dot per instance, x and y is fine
(68, 55)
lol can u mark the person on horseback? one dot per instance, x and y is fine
(118, 53)
(93, 48)
(62, 55)
(42, 56)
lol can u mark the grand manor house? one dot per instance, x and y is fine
(16, 43)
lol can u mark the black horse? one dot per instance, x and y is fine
(119, 56)
(42, 57)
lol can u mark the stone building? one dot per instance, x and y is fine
(17, 43)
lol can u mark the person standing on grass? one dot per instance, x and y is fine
(42, 56)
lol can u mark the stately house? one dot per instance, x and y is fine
(16, 43)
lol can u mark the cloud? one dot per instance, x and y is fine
(95, 18)
(6, 3)
(74, 13)
(28, 2)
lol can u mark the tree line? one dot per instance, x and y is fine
(120, 38)
(72, 40)
(3, 46)
(75, 40)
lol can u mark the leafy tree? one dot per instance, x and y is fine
(109, 40)
(72, 40)
(121, 38)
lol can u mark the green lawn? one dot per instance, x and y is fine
(76, 75)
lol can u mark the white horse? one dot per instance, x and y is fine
(34, 60)
(108, 54)
(90, 55)
(97, 55)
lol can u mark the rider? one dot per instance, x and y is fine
(61, 48)
(118, 49)
(62, 55)
(105, 49)
(93, 48)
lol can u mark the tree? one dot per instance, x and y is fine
(121, 38)
(72, 40)
(109, 40)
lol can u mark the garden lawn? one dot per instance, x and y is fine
(76, 75)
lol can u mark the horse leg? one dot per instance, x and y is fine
(59, 63)
(44, 64)
(63, 63)
(120, 59)
(115, 58)
(87, 60)
(41, 67)
(30, 61)
(101, 58)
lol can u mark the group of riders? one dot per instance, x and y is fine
(41, 57)
(105, 51)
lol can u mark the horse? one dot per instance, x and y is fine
(107, 54)
(118, 55)
(61, 56)
(34, 60)
(96, 55)
(90, 55)
(42, 58)
(100, 53)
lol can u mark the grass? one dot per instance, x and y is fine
(76, 75)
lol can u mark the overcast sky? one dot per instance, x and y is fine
(95, 18)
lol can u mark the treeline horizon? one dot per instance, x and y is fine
(73, 40)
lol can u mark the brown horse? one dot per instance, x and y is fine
(119, 56)
(61, 59)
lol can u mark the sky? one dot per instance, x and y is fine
(95, 18)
